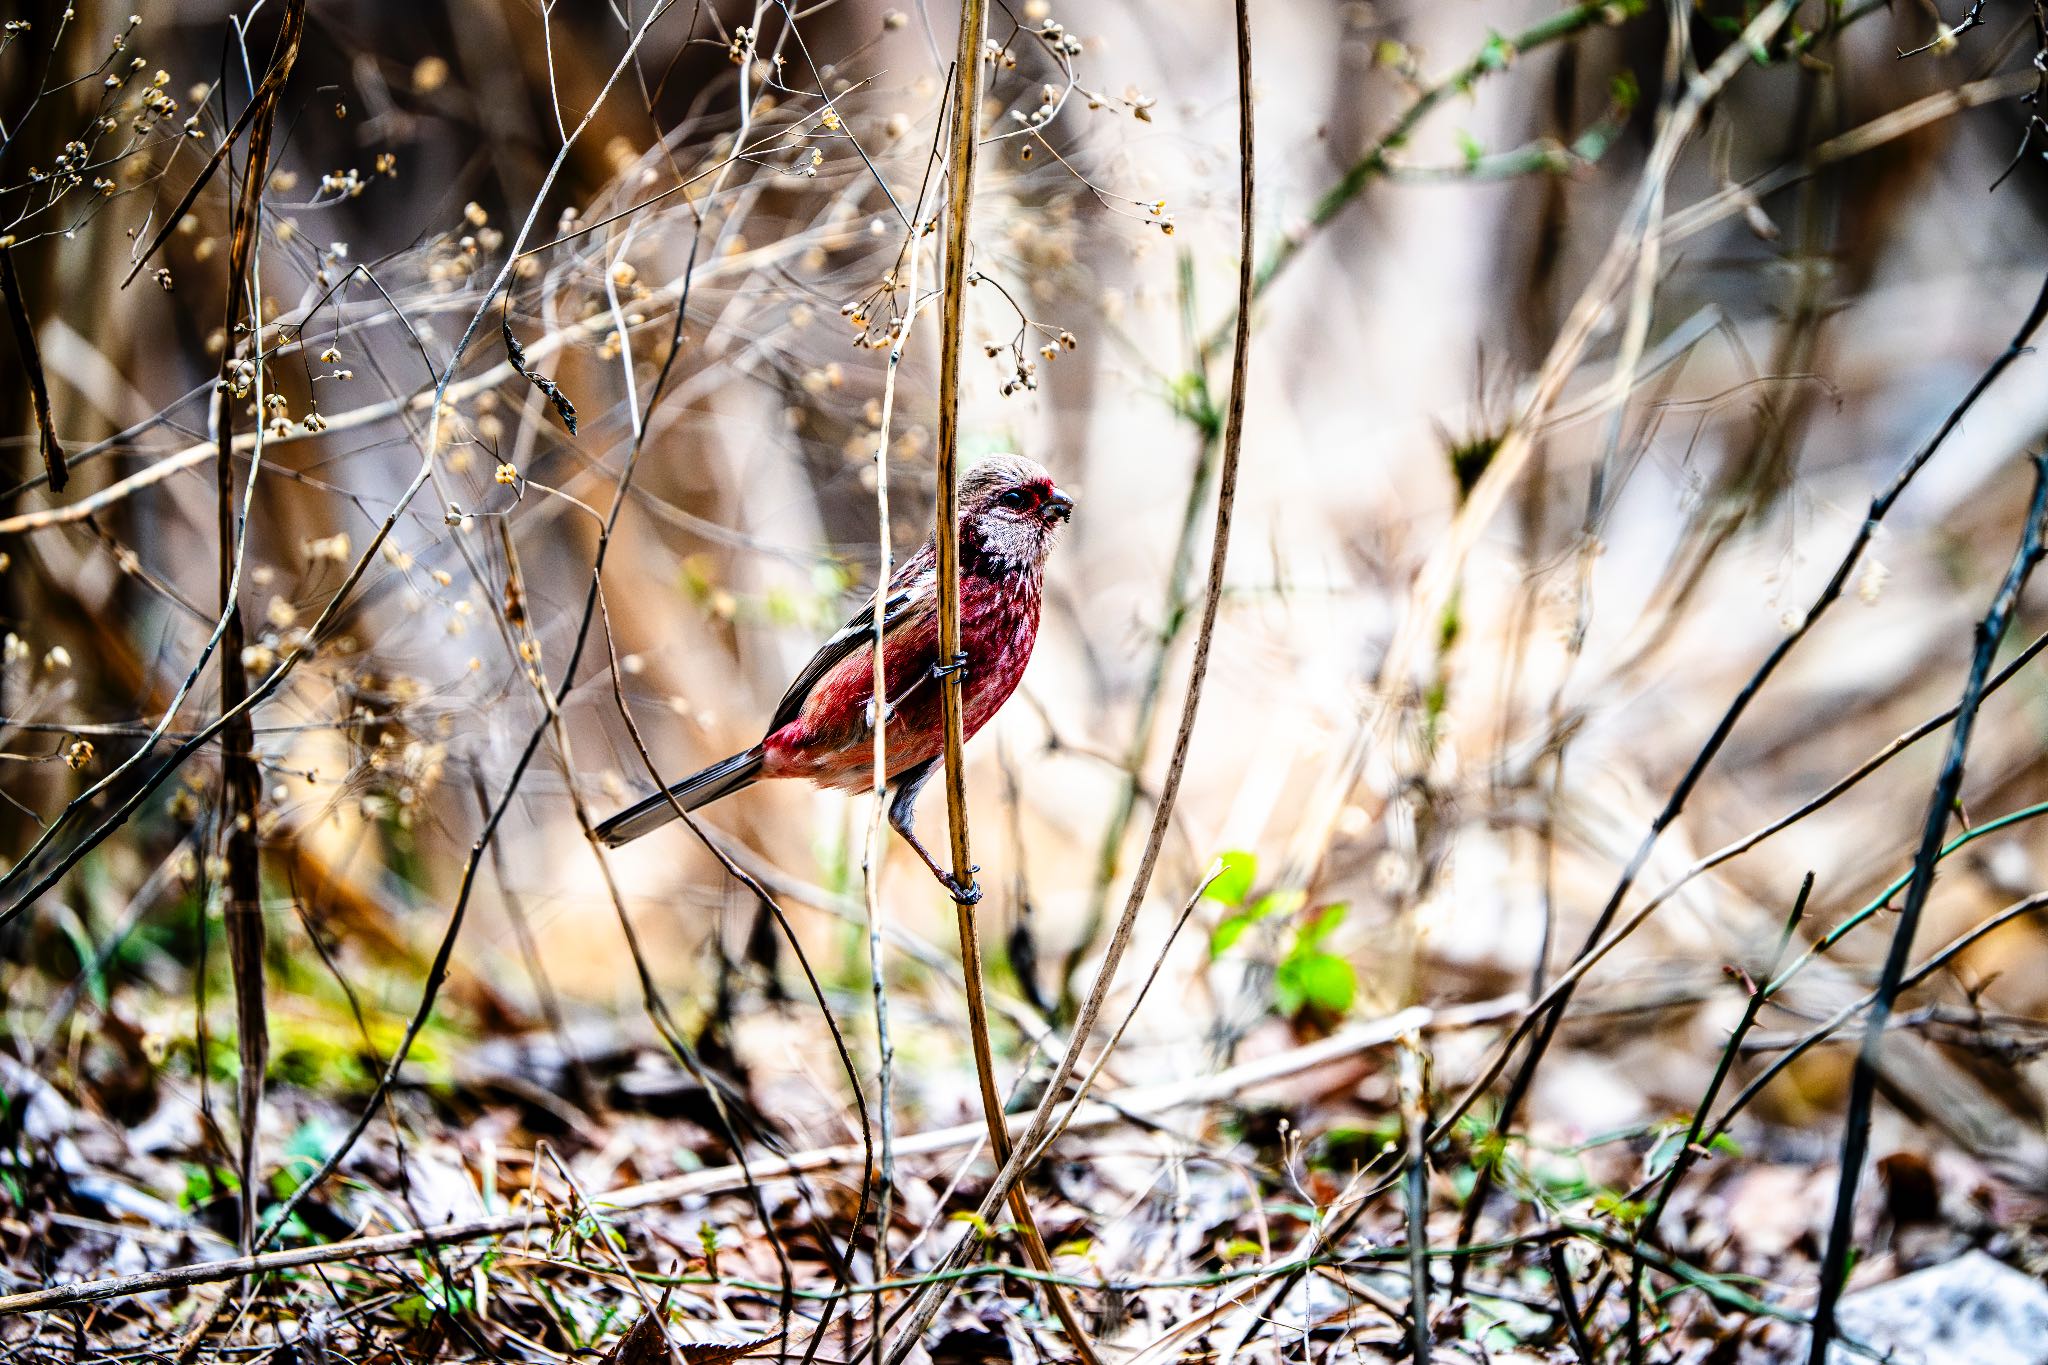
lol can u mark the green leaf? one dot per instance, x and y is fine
(1330, 982)
(1625, 1211)
(88, 958)
(1323, 980)
(1326, 920)
(829, 580)
(1231, 885)
(203, 1185)
(1281, 903)
(1227, 934)
(1623, 91)
(781, 606)
(1670, 1142)
(436, 1296)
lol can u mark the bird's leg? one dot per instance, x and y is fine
(889, 707)
(902, 818)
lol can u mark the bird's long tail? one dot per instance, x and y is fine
(698, 789)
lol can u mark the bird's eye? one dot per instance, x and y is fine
(1016, 497)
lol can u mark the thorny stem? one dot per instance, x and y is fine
(1829, 1027)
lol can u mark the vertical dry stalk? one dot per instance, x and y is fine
(241, 779)
(1415, 1125)
(926, 1306)
(872, 859)
(946, 532)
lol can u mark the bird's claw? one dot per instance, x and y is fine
(970, 894)
(942, 671)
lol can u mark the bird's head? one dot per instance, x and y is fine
(1010, 510)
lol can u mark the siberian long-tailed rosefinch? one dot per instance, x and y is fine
(823, 730)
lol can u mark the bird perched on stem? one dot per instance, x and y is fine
(1010, 512)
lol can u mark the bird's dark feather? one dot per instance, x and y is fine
(853, 635)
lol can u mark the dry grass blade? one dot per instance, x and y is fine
(32, 368)
(559, 401)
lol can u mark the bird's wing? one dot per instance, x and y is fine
(911, 586)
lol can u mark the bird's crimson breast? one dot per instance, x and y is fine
(830, 741)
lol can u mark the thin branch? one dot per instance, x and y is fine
(1941, 804)
(873, 858)
(1691, 1149)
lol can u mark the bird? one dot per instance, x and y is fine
(1011, 513)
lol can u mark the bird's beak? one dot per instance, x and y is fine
(1057, 506)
